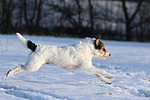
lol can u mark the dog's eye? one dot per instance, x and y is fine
(104, 49)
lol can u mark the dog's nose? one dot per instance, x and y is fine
(109, 54)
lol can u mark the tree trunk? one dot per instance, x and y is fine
(128, 32)
(25, 14)
(7, 9)
(39, 13)
(91, 16)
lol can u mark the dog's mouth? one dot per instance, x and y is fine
(105, 57)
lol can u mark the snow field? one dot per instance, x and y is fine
(130, 64)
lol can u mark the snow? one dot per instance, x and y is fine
(130, 64)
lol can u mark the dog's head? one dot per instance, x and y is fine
(100, 48)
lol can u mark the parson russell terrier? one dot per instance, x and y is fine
(69, 57)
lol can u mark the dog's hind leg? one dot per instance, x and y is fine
(17, 69)
(29, 66)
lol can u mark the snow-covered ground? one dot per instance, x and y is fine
(130, 64)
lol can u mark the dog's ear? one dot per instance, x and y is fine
(98, 44)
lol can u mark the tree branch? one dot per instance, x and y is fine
(140, 23)
(125, 10)
(137, 9)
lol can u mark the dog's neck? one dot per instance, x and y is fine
(85, 46)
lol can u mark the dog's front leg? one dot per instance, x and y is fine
(91, 69)
(103, 79)
(103, 72)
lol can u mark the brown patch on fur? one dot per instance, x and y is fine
(103, 50)
(100, 46)
(7, 73)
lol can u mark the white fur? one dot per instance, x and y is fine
(22, 39)
(69, 57)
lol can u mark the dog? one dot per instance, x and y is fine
(70, 57)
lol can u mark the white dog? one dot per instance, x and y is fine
(69, 57)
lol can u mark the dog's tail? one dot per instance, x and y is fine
(27, 43)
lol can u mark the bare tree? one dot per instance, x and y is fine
(130, 18)
(114, 19)
(32, 14)
(7, 8)
(70, 15)
(91, 16)
(39, 11)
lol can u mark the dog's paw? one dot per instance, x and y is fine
(9, 73)
(108, 82)
(109, 76)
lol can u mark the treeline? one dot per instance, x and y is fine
(112, 19)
